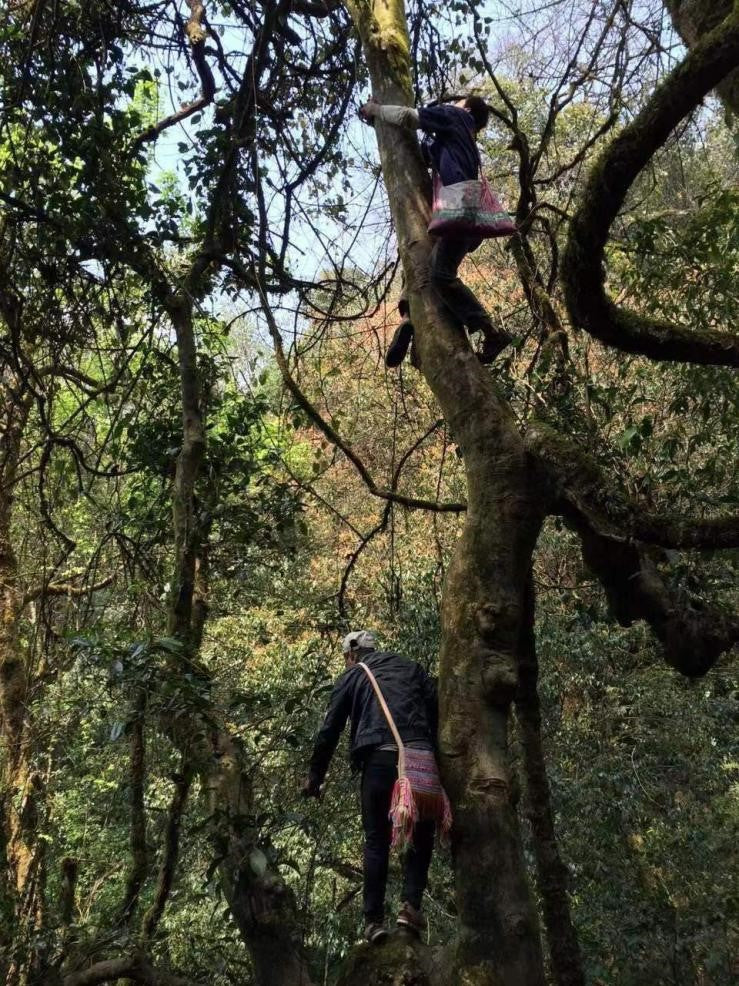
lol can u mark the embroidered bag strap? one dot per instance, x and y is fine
(388, 716)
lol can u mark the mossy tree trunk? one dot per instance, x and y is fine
(484, 596)
(261, 904)
(22, 788)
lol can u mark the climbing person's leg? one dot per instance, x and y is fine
(415, 875)
(403, 335)
(401, 340)
(378, 777)
(403, 306)
(446, 256)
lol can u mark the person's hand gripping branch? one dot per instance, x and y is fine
(369, 111)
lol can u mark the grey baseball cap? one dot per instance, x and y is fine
(358, 638)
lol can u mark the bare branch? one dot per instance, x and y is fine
(171, 854)
(196, 34)
(312, 412)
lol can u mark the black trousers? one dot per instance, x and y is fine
(378, 777)
(447, 254)
(461, 303)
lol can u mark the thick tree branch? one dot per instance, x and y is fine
(65, 589)
(693, 636)
(583, 273)
(67, 886)
(578, 480)
(135, 967)
(693, 19)
(137, 837)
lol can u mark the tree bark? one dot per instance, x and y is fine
(484, 592)
(693, 19)
(262, 905)
(22, 788)
(552, 875)
(401, 959)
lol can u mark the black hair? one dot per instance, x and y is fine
(480, 111)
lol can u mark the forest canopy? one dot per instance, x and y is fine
(208, 475)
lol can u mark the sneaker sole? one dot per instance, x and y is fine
(409, 926)
(377, 936)
(488, 356)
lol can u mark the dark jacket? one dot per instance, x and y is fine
(452, 152)
(411, 697)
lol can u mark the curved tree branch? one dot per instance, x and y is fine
(577, 480)
(583, 274)
(692, 635)
(196, 35)
(333, 436)
(168, 867)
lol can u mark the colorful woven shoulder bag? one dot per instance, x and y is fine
(417, 793)
(469, 208)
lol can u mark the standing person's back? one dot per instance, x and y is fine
(410, 695)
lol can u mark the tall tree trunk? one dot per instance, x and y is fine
(262, 905)
(484, 595)
(552, 875)
(22, 788)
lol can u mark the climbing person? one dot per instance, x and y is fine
(449, 148)
(392, 704)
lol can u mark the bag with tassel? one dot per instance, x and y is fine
(417, 793)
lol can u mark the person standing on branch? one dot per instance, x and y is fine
(449, 147)
(392, 704)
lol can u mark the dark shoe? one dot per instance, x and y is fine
(374, 931)
(411, 918)
(415, 359)
(399, 344)
(492, 345)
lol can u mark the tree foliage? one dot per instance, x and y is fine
(207, 475)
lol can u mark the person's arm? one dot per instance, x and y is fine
(339, 708)
(399, 116)
(432, 120)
